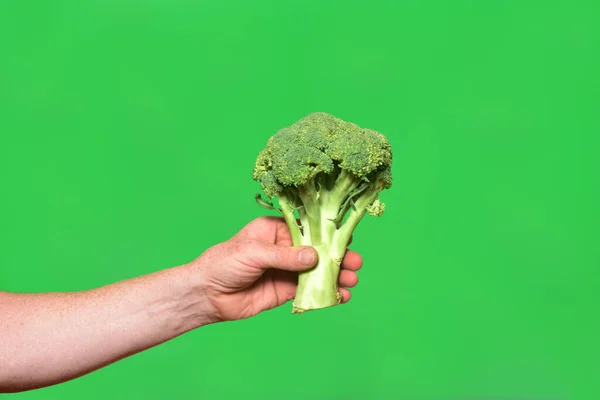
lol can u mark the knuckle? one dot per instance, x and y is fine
(255, 225)
(283, 257)
(246, 245)
(260, 222)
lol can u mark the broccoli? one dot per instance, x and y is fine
(325, 174)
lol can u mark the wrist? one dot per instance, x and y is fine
(191, 307)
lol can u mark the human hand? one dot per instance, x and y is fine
(257, 270)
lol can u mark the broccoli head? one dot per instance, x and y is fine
(326, 173)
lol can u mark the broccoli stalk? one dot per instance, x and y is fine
(326, 175)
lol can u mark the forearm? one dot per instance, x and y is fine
(54, 337)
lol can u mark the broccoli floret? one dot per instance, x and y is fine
(326, 173)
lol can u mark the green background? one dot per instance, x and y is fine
(129, 129)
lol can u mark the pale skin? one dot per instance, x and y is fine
(50, 338)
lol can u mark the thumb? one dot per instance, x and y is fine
(298, 258)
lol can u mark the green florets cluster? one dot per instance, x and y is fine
(322, 143)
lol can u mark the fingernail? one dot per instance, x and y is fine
(307, 257)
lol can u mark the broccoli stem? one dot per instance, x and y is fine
(290, 220)
(321, 210)
(344, 233)
(318, 287)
